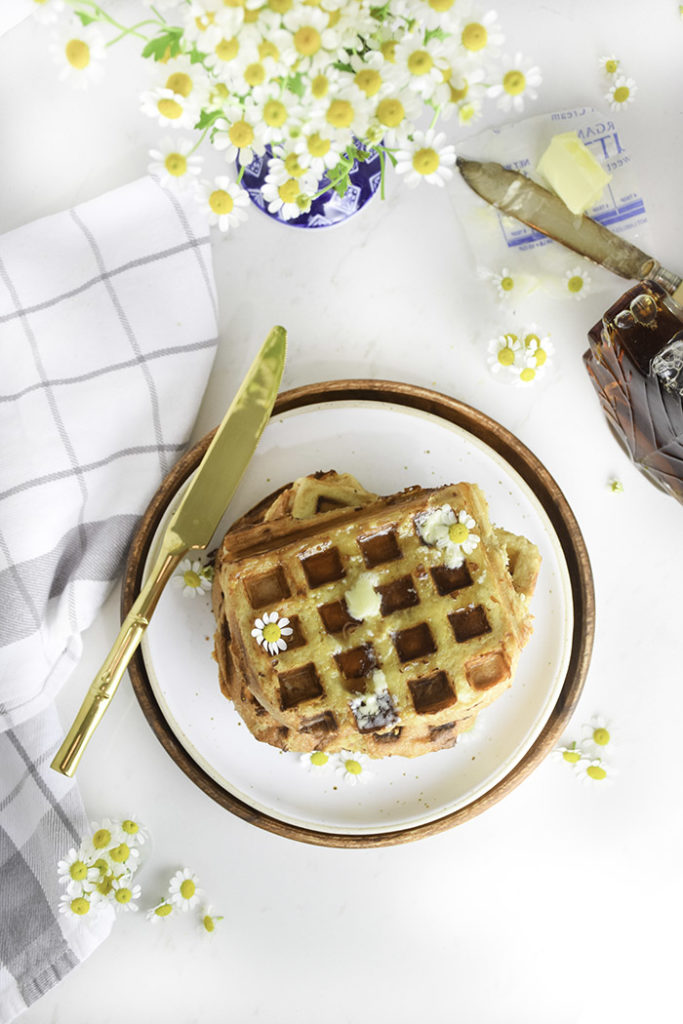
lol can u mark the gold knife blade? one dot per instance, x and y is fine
(517, 196)
(191, 527)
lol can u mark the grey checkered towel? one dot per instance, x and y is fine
(107, 337)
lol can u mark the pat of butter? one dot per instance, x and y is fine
(572, 172)
(362, 600)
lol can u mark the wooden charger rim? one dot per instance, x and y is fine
(556, 508)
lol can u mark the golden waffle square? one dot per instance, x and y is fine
(392, 643)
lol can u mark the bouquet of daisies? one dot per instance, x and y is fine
(311, 86)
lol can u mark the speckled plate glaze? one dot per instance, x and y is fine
(389, 436)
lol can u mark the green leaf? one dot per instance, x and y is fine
(167, 42)
(208, 117)
(295, 84)
(341, 66)
(85, 19)
(436, 33)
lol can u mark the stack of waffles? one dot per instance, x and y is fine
(384, 625)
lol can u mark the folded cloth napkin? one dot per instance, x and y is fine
(107, 337)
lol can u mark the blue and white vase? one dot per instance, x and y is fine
(329, 208)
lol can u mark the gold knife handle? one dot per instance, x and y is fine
(103, 687)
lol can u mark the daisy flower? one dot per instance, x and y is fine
(125, 895)
(480, 37)
(223, 203)
(598, 733)
(79, 52)
(124, 858)
(77, 873)
(270, 632)
(103, 835)
(537, 345)
(504, 352)
(577, 282)
(504, 281)
(354, 768)
(169, 108)
(78, 906)
(208, 920)
(175, 164)
(393, 112)
(450, 531)
(526, 371)
(135, 831)
(520, 80)
(282, 168)
(276, 111)
(621, 92)
(316, 762)
(437, 13)
(183, 890)
(591, 772)
(568, 754)
(240, 136)
(318, 151)
(609, 64)
(287, 199)
(346, 115)
(160, 912)
(426, 158)
(191, 576)
(369, 73)
(419, 66)
(186, 79)
(309, 35)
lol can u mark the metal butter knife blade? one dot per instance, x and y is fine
(192, 526)
(518, 196)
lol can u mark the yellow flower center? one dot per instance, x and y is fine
(368, 81)
(176, 165)
(352, 767)
(467, 112)
(219, 92)
(101, 838)
(388, 51)
(340, 114)
(179, 83)
(268, 49)
(164, 910)
(208, 923)
(233, 3)
(80, 906)
(458, 93)
(78, 870)
(507, 283)
(390, 112)
(595, 772)
(527, 374)
(425, 161)
(120, 854)
(190, 577)
(611, 66)
(474, 37)
(514, 83)
(288, 193)
(221, 202)
(506, 356)
(227, 49)
(241, 134)
(78, 54)
(130, 827)
(292, 165)
(123, 896)
(320, 86)
(250, 17)
(575, 284)
(255, 74)
(441, 5)
(307, 41)
(621, 94)
(458, 533)
(169, 109)
(187, 889)
(601, 736)
(420, 63)
(203, 21)
(571, 756)
(280, 6)
(317, 146)
(319, 758)
(274, 113)
(105, 886)
(271, 632)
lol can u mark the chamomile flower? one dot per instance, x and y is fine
(316, 762)
(77, 872)
(394, 113)
(419, 65)
(568, 754)
(287, 200)
(175, 164)
(271, 632)
(240, 136)
(519, 82)
(47, 12)
(134, 831)
(208, 920)
(609, 64)
(369, 73)
(346, 114)
(125, 895)
(503, 354)
(170, 109)
(183, 890)
(191, 576)
(102, 836)
(480, 36)
(526, 371)
(161, 912)
(594, 772)
(503, 280)
(276, 111)
(621, 92)
(353, 768)
(538, 345)
(207, 25)
(79, 52)
(186, 79)
(597, 733)
(318, 151)
(577, 282)
(450, 531)
(124, 858)
(437, 13)
(427, 157)
(310, 35)
(223, 203)
(282, 168)
(78, 906)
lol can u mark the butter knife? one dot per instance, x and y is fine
(516, 195)
(192, 526)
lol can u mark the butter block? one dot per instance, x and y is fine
(572, 172)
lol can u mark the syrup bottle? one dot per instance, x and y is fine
(635, 362)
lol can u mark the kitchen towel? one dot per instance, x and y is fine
(108, 326)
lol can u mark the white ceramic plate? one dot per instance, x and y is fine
(387, 447)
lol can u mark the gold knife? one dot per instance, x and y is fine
(191, 527)
(516, 195)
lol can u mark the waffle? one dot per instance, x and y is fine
(408, 672)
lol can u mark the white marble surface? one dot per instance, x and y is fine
(559, 903)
